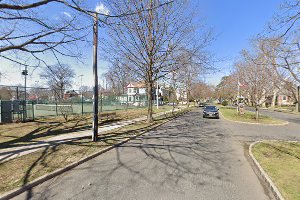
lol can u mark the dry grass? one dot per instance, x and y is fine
(19, 171)
(281, 161)
(23, 133)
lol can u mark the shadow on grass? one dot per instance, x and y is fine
(283, 150)
(47, 130)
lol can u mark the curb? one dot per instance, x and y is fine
(283, 124)
(264, 175)
(57, 172)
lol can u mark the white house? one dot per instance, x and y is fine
(136, 94)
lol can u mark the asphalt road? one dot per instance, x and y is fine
(280, 115)
(187, 158)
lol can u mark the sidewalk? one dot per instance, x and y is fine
(14, 152)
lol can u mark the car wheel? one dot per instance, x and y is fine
(218, 117)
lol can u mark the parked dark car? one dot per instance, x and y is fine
(211, 111)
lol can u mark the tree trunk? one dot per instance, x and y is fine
(274, 99)
(149, 95)
(256, 113)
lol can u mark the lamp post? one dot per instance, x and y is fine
(25, 73)
(81, 93)
(95, 74)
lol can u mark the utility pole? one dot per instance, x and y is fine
(298, 96)
(157, 94)
(95, 73)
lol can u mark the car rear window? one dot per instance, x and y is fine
(210, 108)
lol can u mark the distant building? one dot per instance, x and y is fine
(284, 100)
(70, 94)
(136, 94)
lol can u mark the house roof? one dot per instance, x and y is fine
(140, 84)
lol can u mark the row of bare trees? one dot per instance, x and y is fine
(273, 62)
(144, 40)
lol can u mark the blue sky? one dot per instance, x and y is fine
(234, 23)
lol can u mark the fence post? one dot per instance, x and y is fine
(81, 104)
(17, 93)
(32, 110)
(127, 102)
(101, 102)
(56, 108)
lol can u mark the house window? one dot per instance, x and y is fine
(129, 98)
(284, 98)
(129, 90)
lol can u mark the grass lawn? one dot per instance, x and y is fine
(249, 116)
(281, 161)
(19, 171)
(14, 134)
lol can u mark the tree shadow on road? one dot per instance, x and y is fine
(182, 151)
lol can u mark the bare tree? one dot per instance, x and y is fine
(227, 89)
(118, 77)
(147, 41)
(192, 63)
(281, 45)
(258, 78)
(27, 33)
(5, 93)
(59, 77)
(201, 91)
(286, 21)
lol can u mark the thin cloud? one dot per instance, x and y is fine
(67, 14)
(100, 8)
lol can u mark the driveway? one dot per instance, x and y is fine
(187, 158)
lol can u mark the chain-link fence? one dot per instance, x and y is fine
(45, 102)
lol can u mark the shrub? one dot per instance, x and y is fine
(224, 103)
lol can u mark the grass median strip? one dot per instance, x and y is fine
(281, 161)
(249, 117)
(19, 171)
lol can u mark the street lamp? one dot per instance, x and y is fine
(81, 93)
(25, 73)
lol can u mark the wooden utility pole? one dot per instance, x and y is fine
(298, 96)
(95, 73)
(157, 93)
